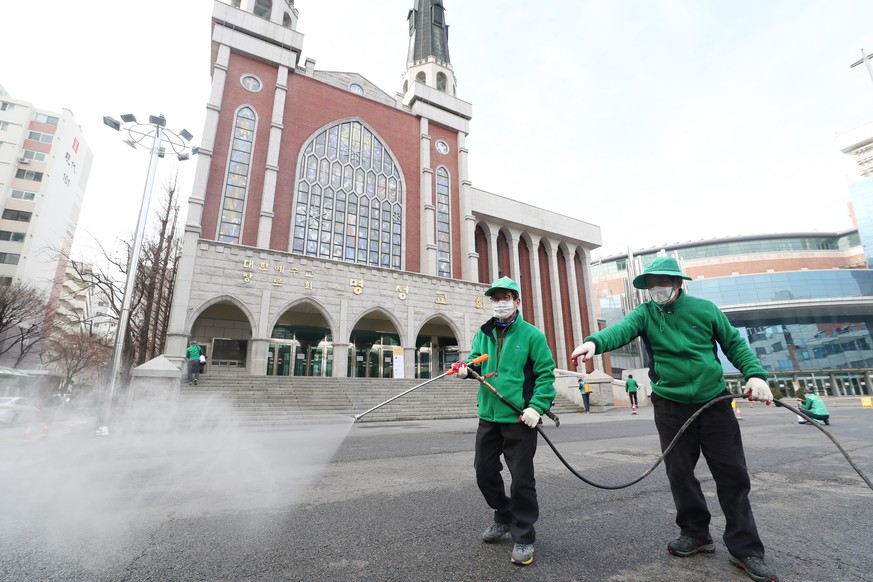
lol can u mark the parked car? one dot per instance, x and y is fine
(17, 409)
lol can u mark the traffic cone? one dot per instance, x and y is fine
(633, 409)
(27, 434)
(737, 412)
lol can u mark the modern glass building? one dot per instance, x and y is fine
(804, 302)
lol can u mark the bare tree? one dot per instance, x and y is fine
(24, 314)
(73, 353)
(155, 276)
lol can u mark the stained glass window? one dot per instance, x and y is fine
(443, 219)
(237, 178)
(349, 199)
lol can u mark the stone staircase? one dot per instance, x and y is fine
(272, 400)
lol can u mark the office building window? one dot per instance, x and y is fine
(9, 258)
(22, 195)
(17, 215)
(47, 119)
(40, 137)
(28, 175)
(6, 235)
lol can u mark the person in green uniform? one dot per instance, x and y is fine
(680, 333)
(813, 408)
(630, 387)
(521, 368)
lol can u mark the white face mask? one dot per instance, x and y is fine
(661, 295)
(503, 309)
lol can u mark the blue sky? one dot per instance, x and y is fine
(659, 121)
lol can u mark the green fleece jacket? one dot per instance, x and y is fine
(680, 342)
(524, 370)
(815, 405)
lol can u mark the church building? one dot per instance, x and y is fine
(333, 229)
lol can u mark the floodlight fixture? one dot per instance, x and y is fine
(183, 156)
(195, 150)
(113, 123)
(162, 152)
(158, 120)
(130, 142)
(128, 118)
(186, 134)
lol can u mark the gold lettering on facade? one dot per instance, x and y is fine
(279, 268)
(249, 264)
(307, 284)
(358, 284)
(277, 281)
(402, 291)
(479, 304)
(264, 266)
(247, 277)
(442, 298)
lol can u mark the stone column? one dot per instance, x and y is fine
(557, 308)
(271, 174)
(493, 266)
(575, 314)
(340, 360)
(515, 265)
(178, 327)
(468, 254)
(537, 283)
(428, 208)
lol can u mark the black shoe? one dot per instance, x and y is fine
(827, 421)
(755, 568)
(685, 546)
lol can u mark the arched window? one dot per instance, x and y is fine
(263, 8)
(236, 3)
(237, 178)
(349, 199)
(421, 78)
(441, 82)
(286, 20)
(443, 224)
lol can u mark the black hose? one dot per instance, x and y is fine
(679, 434)
(672, 444)
(830, 436)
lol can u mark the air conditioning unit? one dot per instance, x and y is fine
(23, 160)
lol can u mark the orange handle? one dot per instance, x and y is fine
(478, 360)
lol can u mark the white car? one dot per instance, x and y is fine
(15, 409)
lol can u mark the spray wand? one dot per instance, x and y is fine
(478, 360)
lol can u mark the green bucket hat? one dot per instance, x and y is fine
(660, 266)
(503, 283)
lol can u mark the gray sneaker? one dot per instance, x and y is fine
(522, 554)
(494, 532)
(755, 568)
(685, 546)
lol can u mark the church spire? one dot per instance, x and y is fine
(428, 59)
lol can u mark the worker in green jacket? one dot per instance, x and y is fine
(521, 368)
(680, 333)
(813, 408)
(630, 386)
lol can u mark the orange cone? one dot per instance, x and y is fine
(737, 412)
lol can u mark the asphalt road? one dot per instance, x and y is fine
(398, 502)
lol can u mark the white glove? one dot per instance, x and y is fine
(460, 369)
(586, 350)
(530, 417)
(757, 389)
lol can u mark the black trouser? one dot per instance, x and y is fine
(518, 444)
(715, 433)
(811, 414)
(633, 398)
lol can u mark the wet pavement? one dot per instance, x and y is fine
(398, 501)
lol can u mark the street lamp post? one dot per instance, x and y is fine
(152, 136)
